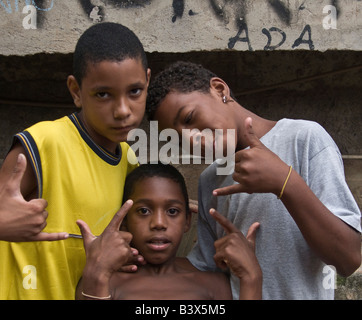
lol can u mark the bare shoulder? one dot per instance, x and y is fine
(217, 283)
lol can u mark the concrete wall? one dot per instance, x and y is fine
(282, 58)
(31, 26)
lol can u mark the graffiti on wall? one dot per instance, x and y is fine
(35, 10)
(13, 6)
(97, 12)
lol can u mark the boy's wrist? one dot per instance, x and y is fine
(251, 286)
(96, 273)
(95, 287)
(95, 282)
(254, 277)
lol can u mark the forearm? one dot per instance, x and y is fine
(335, 242)
(94, 285)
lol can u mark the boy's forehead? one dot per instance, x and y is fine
(92, 67)
(171, 107)
(155, 180)
(156, 186)
(177, 99)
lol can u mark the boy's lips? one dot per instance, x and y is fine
(123, 130)
(158, 243)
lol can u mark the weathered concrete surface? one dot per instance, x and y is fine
(184, 25)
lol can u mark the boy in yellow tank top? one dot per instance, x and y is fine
(75, 168)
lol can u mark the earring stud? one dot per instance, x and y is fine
(224, 99)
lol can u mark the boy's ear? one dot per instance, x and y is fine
(148, 76)
(74, 90)
(220, 87)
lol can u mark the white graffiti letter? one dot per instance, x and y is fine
(29, 22)
(330, 21)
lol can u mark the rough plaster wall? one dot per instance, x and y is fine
(163, 25)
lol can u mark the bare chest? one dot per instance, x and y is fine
(161, 288)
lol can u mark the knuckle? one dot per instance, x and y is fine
(37, 206)
(37, 228)
(232, 240)
(38, 220)
(7, 188)
(127, 236)
(123, 244)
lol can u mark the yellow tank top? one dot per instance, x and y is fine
(80, 180)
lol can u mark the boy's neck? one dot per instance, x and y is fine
(169, 267)
(116, 151)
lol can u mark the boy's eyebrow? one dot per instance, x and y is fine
(178, 115)
(176, 201)
(169, 201)
(104, 88)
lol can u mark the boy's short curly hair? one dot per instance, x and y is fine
(106, 41)
(159, 170)
(183, 77)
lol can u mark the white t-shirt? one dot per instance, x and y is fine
(290, 269)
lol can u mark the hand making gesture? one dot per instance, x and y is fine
(257, 169)
(21, 220)
(238, 254)
(106, 254)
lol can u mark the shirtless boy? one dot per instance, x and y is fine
(156, 216)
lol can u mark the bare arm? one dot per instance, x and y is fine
(260, 170)
(22, 217)
(333, 240)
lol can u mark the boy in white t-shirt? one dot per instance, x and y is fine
(288, 176)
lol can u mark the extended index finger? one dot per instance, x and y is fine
(116, 221)
(234, 188)
(44, 236)
(224, 222)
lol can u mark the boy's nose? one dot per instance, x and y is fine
(158, 221)
(122, 109)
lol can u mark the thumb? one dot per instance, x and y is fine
(251, 235)
(87, 234)
(18, 173)
(251, 138)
